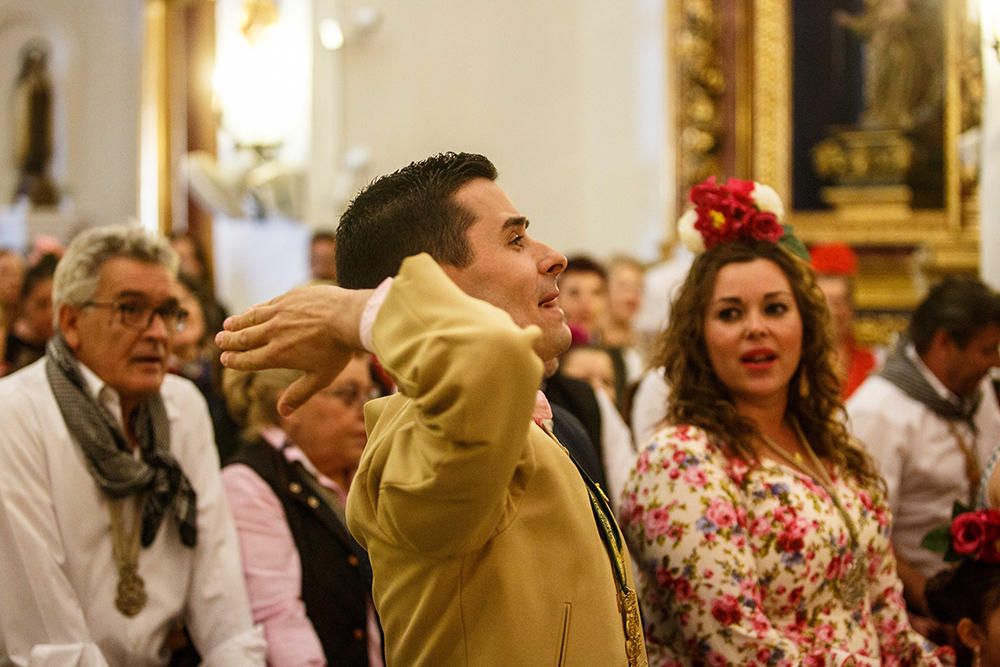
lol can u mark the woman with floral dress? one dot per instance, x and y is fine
(760, 529)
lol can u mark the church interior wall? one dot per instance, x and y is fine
(95, 63)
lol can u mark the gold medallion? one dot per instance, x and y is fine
(635, 648)
(131, 596)
(853, 587)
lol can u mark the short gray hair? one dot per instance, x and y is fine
(78, 271)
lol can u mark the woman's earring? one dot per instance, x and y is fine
(976, 658)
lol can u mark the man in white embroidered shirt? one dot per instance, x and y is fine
(114, 530)
(930, 420)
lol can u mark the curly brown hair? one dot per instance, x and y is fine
(699, 398)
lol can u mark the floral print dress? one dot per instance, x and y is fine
(738, 562)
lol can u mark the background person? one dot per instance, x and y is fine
(836, 265)
(115, 529)
(323, 257)
(34, 324)
(309, 580)
(966, 596)
(760, 529)
(583, 294)
(929, 421)
(194, 356)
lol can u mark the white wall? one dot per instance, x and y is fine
(565, 96)
(95, 69)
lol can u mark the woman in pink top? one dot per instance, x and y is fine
(309, 581)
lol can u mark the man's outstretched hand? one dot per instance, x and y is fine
(311, 329)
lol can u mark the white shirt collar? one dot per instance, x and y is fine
(103, 393)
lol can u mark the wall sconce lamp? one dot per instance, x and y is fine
(989, 19)
(333, 32)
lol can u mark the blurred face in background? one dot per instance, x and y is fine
(837, 290)
(583, 296)
(36, 311)
(330, 427)
(188, 254)
(624, 292)
(187, 342)
(963, 368)
(323, 260)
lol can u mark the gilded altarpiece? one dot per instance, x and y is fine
(862, 114)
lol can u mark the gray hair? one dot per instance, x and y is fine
(79, 270)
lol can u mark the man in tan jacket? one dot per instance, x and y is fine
(488, 546)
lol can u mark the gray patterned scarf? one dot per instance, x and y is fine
(119, 474)
(902, 372)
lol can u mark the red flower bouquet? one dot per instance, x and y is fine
(738, 209)
(972, 534)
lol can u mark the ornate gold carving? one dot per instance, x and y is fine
(701, 82)
(772, 139)
(879, 330)
(864, 157)
(945, 239)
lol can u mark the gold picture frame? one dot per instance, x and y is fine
(733, 62)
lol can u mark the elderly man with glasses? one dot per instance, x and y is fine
(114, 530)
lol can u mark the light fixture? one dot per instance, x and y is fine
(331, 35)
(256, 17)
(989, 19)
(334, 33)
(261, 76)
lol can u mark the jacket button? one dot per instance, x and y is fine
(352, 560)
(295, 487)
(313, 502)
(359, 634)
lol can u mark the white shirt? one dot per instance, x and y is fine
(918, 456)
(649, 406)
(58, 576)
(618, 452)
(661, 284)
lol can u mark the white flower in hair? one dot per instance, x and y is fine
(766, 199)
(689, 236)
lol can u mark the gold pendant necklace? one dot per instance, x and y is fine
(852, 588)
(628, 601)
(131, 594)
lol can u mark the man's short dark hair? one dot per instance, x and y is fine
(42, 270)
(961, 307)
(408, 212)
(585, 264)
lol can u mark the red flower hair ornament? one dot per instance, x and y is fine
(972, 534)
(738, 209)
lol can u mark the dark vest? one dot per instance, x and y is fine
(336, 574)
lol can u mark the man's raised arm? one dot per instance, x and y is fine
(312, 329)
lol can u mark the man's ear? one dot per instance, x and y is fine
(970, 633)
(943, 342)
(69, 325)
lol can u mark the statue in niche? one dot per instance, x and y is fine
(902, 71)
(33, 127)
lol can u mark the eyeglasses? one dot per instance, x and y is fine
(352, 396)
(137, 314)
